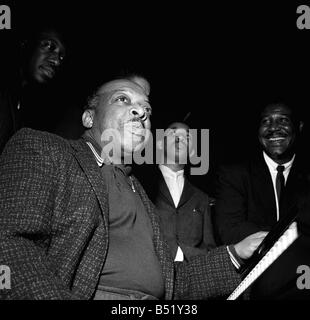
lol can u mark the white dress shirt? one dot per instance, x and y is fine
(272, 166)
(175, 184)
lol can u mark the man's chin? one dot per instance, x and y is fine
(40, 79)
(278, 154)
(136, 147)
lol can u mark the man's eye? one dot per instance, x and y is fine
(284, 120)
(264, 122)
(48, 45)
(148, 110)
(122, 99)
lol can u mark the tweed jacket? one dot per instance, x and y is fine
(54, 235)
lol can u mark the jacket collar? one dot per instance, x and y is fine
(87, 161)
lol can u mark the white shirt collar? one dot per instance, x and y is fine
(167, 172)
(272, 165)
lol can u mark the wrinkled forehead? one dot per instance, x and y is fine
(122, 85)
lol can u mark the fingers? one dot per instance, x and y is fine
(258, 235)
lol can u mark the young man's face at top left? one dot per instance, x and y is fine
(46, 58)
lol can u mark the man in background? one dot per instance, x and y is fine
(254, 195)
(183, 209)
(41, 56)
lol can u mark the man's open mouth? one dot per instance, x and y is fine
(137, 123)
(136, 128)
(275, 139)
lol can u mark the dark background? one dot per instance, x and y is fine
(222, 62)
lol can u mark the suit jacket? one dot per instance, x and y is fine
(245, 199)
(189, 225)
(54, 233)
(245, 204)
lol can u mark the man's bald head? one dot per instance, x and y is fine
(135, 82)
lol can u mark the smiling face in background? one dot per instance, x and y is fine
(277, 132)
(46, 58)
(123, 107)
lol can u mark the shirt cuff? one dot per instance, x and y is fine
(235, 259)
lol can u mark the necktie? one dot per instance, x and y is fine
(280, 182)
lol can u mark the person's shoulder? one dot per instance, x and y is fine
(199, 193)
(232, 169)
(239, 167)
(39, 140)
(32, 134)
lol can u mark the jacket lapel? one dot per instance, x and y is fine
(263, 189)
(187, 192)
(164, 190)
(295, 188)
(86, 160)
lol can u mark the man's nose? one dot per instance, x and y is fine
(55, 59)
(274, 125)
(138, 112)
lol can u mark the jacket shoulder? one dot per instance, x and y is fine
(31, 141)
(198, 193)
(237, 170)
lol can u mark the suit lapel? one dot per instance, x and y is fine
(187, 192)
(295, 187)
(263, 189)
(164, 190)
(86, 159)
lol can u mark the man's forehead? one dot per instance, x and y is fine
(178, 125)
(53, 35)
(276, 109)
(121, 84)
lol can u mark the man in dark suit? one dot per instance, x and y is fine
(183, 209)
(76, 224)
(254, 195)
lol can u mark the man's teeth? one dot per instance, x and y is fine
(276, 139)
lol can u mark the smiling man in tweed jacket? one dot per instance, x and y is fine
(76, 224)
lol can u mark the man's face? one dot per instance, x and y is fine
(47, 57)
(277, 132)
(178, 143)
(123, 107)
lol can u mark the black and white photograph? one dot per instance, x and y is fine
(155, 151)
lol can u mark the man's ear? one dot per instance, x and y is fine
(87, 118)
